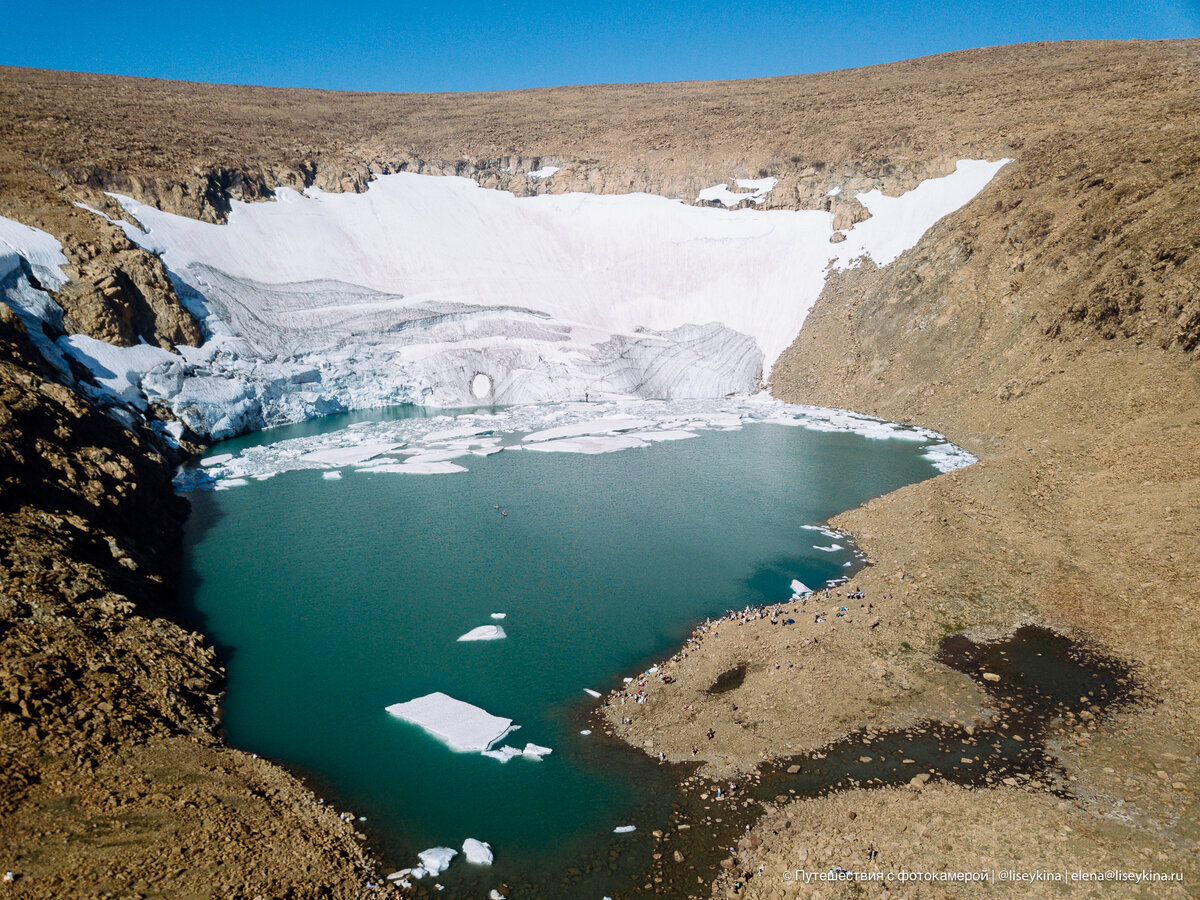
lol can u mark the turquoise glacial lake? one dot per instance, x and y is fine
(332, 599)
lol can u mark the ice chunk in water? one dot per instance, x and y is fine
(401, 877)
(435, 859)
(463, 726)
(484, 633)
(477, 852)
(592, 693)
(624, 829)
(535, 751)
(504, 754)
(499, 615)
(799, 589)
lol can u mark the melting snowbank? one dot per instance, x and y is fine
(422, 445)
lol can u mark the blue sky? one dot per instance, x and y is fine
(469, 45)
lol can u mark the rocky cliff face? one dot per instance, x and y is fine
(109, 707)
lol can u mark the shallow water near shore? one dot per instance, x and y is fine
(335, 598)
(1039, 679)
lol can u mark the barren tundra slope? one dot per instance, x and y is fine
(1051, 326)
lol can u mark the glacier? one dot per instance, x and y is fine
(435, 291)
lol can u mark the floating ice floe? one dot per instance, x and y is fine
(592, 693)
(436, 859)
(602, 425)
(484, 633)
(799, 589)
(624, 829)
(585, 732)
(832, 548)
(477, 853)
(463, 727)
(443, 443)
(530, 751)
(821, 529)
(332, 476)
(499, 615)
(503, 754)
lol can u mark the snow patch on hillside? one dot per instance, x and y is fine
(753, 189)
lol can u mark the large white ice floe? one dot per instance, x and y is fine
(477, 853)
(464, 727)
(433, 290)
(453, 440)
(484, 633)
(436, 859)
